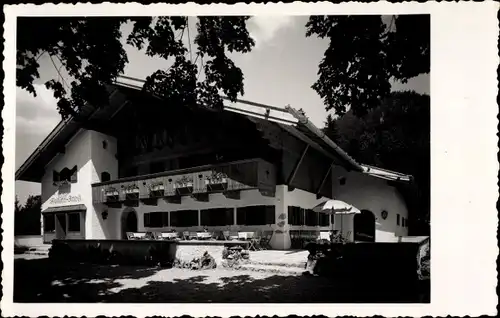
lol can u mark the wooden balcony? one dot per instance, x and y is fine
(198, 182)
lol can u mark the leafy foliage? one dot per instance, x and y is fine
(90, 50)
(364, 54)
(27, 217)
(396, 136)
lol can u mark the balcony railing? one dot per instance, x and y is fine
(198, 182)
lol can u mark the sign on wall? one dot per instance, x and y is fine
(65, 199)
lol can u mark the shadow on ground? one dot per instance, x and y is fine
(40, 280)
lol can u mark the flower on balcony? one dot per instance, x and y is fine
(111, 191)
(156, 186)
(216, 178)
(131, 188)
(184, 182)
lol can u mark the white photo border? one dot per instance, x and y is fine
(464, 165)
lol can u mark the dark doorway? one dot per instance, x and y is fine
(364, 226)
(129, 222)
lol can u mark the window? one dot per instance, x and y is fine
(74, 222)
(217, 217)
(104, 144)
(49, 223)
(156, 167)
(342, 181)
(65, 174)
(256, 215)
(184, 218)
(324, 219)
(156, 219)
(311, 218)
(397, 219)
(295, 215)
(105, 176)
(364, 226)
(403, 222)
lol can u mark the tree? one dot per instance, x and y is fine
(395, 136)
(90, 50)
(17, 206)
(27, 217)
(364, 54)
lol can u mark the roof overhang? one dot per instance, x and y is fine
(387, 174)
(33, 167)
(288, 119)
(65, 208)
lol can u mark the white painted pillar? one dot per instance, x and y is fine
(281, 236)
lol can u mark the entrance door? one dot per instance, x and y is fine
(129, 223)
(61, 226)
(364, 226)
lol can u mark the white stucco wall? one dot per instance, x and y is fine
(101, 160)
(77, 152)
(373, 194)
(248, 198)
(85, 150)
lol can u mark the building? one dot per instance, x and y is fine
(140, 165)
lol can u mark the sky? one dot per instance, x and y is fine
(279, 71)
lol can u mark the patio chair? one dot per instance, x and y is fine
(139, 236)
(225, 235)
(265, 239)
(233, 236)
(130, 236)
(156, 236)
(193, 235)
(242, 236)
(324, 236)
(348, 235)
(185, 235)
(168, 235)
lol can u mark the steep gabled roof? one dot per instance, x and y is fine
(288, 119)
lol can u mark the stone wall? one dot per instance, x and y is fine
(28, 240)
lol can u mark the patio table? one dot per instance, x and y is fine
(203, 235)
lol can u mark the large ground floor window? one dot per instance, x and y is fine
(217, 217)
(64, 225)
(301, 216)
(184, 218)
(256, 215)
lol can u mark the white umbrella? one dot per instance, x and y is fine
(336, 207)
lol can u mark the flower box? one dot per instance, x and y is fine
(156, 190)
(217, 181)
(184, 185)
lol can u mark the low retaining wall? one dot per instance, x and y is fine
(28, 240)
(140, 252)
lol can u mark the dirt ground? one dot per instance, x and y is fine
(36, 279)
